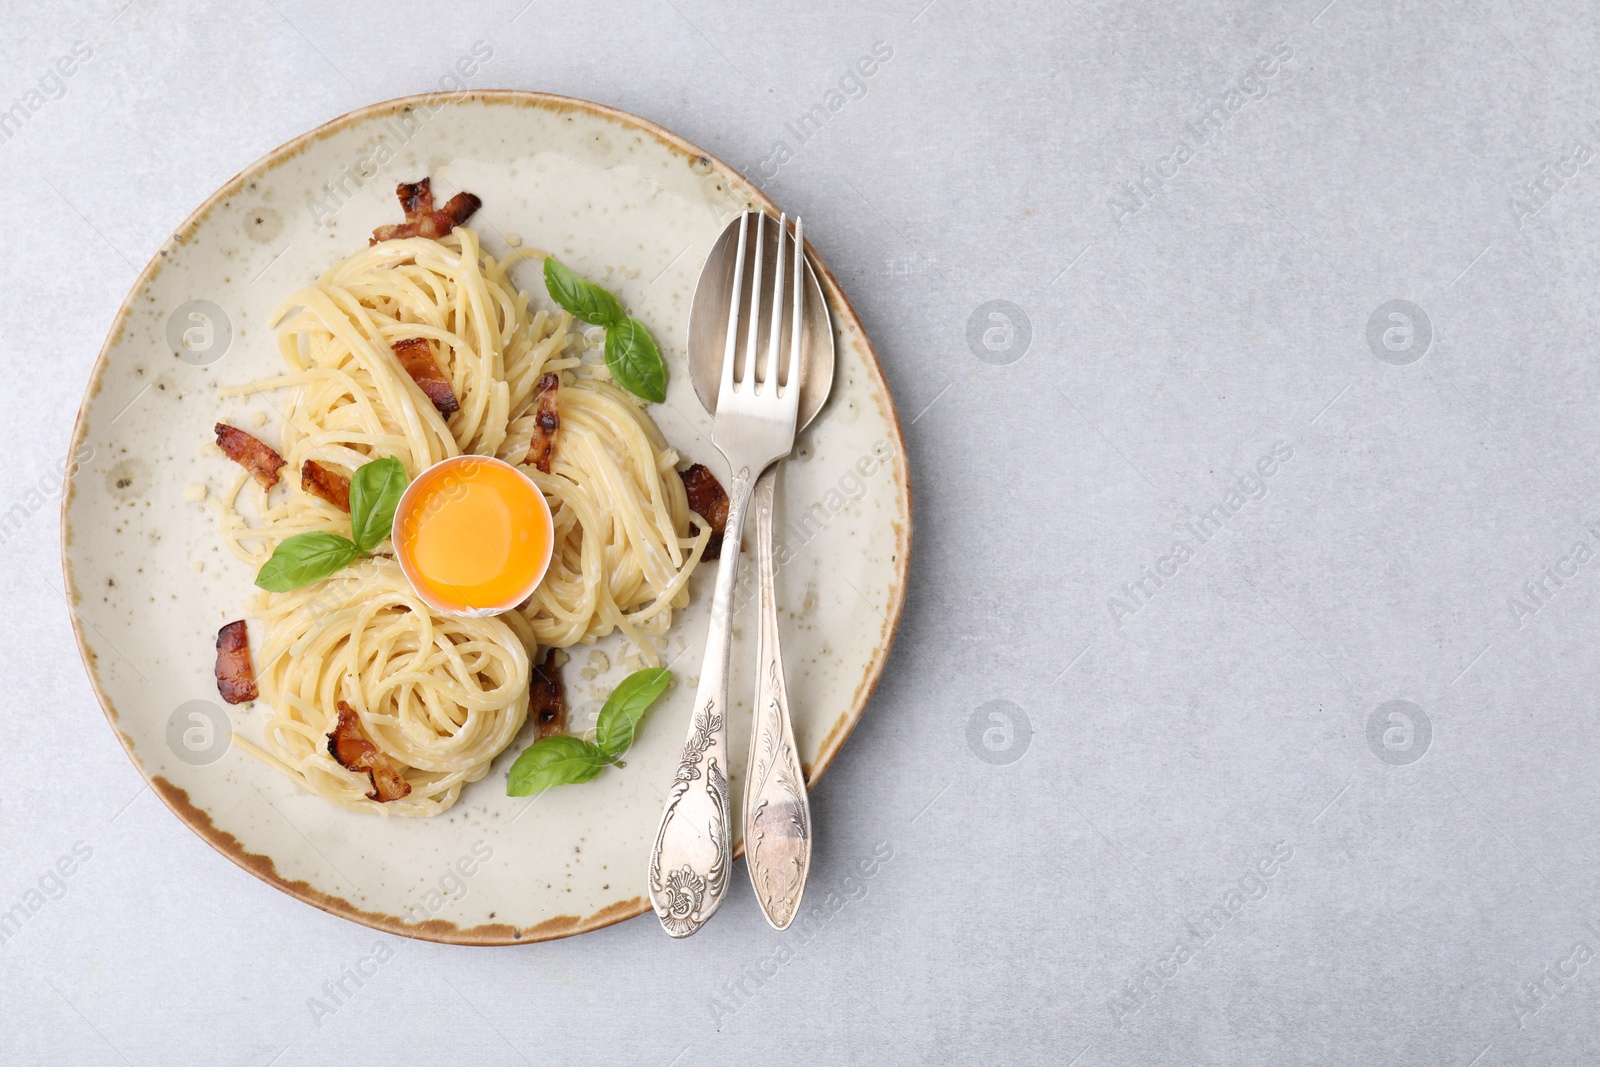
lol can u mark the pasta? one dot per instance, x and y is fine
(440, 696)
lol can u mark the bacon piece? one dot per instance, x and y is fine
(416, 199)
(416, 356)
(330, 485)
(236, 675)
(251, 453)
(456, 210)
(707, 500)
(547, 698)
(546, 421)
(348, 745)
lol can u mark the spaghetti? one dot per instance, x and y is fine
(440, 696)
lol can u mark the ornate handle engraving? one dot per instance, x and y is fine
(693, 851)
(777, 814)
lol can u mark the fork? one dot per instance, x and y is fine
(754, 426)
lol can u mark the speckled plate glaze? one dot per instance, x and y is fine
(625, 203)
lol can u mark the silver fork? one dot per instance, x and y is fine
(753, 427)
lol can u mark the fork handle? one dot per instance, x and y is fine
(777, 814)
(693, 852)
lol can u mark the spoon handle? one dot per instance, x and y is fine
(777, 814)
(693, 851)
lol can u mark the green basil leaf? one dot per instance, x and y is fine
(374, 491)
(635, 361)
(305, 558)
(586, 300)
(559, 760)
(626, 706)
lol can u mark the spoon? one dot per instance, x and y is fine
(777, 815)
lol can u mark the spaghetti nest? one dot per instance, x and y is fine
(441, 696)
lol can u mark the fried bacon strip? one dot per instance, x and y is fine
(250, 453)
(547, 698)
(236, 675)
(707, 500)
(416, 199)
(546, 421)
(330, 485)
(349, 746)
(416, 356)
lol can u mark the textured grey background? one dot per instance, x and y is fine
(1158, 750)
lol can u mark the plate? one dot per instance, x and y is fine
(623, 202)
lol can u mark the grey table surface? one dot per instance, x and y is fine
(1245, 356)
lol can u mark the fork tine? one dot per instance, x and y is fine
(731, 347)
(753, 331)
(792, 369)
(769, 379)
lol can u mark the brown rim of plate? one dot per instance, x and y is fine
(197, 819)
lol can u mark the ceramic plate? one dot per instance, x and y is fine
(624, 203)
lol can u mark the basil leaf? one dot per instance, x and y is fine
(305, 558)
(635, 361)
(626, 706)
(374, 491)
(631, 352)
(586, 300)
(559, 760)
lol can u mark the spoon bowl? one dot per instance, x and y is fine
(708, 323)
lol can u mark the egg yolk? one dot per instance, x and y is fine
(475, 533)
